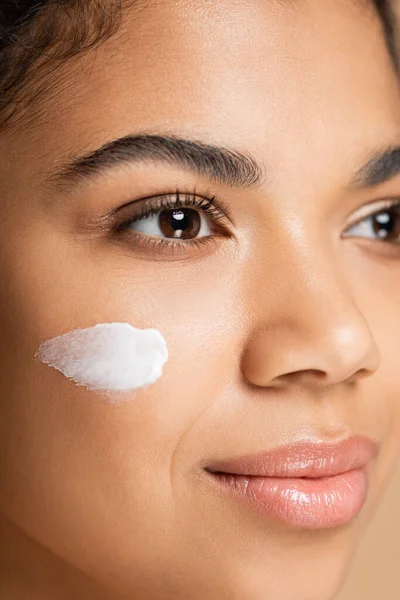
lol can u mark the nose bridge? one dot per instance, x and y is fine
(308, 321)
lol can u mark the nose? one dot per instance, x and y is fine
(309, 334)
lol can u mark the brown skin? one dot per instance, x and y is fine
(96, 496)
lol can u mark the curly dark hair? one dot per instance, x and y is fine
(34, 33)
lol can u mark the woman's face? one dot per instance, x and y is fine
(281, 314)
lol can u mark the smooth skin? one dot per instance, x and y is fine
(280, 328)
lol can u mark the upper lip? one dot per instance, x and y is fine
(302, 459)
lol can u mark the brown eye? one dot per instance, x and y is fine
(174, 223)
(182, 223)
(383, 226)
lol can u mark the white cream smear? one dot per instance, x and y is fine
(115, 358)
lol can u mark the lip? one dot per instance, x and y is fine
(304, 484)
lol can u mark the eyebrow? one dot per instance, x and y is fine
(217, 163)
(382, 167)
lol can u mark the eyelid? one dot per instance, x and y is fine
(210, 206)
(372, 208)
(177, 193)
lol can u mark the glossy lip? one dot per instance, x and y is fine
(302, 459)
(304, 484)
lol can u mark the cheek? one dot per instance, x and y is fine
(385, 326)
(96, 465)
(77, 441)
(388, 393)
(381, 403)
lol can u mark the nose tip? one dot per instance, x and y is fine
(320, 354)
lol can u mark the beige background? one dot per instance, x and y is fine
(376, 570)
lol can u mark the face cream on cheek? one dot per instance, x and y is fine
(113, 357)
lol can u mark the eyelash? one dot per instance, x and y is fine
(216, 210)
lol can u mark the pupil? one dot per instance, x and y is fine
(179, 220)
(180, 223)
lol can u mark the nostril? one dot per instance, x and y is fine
(360, 374)
(307, 376)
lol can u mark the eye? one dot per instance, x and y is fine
(383, 226)
(174, 223)
(179, 219)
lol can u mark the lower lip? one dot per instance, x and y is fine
(300, 502)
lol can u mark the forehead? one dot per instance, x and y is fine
(228, 71)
